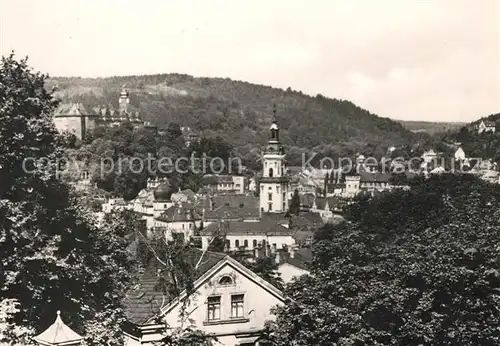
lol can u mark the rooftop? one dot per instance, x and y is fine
(58, 334)
(146, 299)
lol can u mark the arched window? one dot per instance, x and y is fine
(270, 172)
(237, 243)
(245, 243)
(255, 243)
(264, 243)
(226, 280)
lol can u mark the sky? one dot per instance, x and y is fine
(404, 59)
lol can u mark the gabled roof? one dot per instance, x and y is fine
(72, 109)
(227, 260)
(145, 299)
(58, 334)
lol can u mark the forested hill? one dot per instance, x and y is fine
(241, 112)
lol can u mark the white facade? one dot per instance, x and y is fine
(251, 241)
(352, 185)
(230, 302)
(460, 154)
(486, 127)
(289, 272)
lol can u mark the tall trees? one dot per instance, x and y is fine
(53, 255)
(415, 268)
(295, 203)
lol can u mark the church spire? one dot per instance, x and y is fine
(275, 131)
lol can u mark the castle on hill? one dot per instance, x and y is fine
(78, 119)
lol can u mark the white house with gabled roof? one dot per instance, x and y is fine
(228, 301)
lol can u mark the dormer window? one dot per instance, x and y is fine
(226, 280)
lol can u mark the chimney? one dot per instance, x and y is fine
(277, 258)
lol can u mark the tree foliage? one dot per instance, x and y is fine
(54, 257)
(416, 267)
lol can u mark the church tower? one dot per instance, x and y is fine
(274, 184)
(123, 101)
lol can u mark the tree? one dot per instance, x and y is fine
(419, 269)
(178, 264)
(54, 257)
(295, 203)
(325, 183)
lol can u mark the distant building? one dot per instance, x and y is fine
(293, 263)
(178, 222)
(114, 204)
(274, 182)
(485, 126)
(225, 183)
(429, 156)
(74, 118)
(189, 135)
(460, 154)
(80, 120)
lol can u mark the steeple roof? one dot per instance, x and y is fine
(58, 334)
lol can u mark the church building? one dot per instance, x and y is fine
(274, 183)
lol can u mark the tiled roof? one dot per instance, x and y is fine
(321, 202)
(144, 300)
(72, 109)
(306, 219)
(301, 258)
(262, 227)
(220, 179)
(231, 207)
(306, 200)
(178, 213)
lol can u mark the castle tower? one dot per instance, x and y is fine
(274, 184)
(123, 101)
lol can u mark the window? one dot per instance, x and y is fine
(213, 304)
(270, 188)
(274, 246)
(270, 196)
(284, 206)
(228, 244)
(255, 243)
(237, 243)
(245, 243)
(277, 189)
(271, 172)
(226, 280)
(270, 206)
(237, 306)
